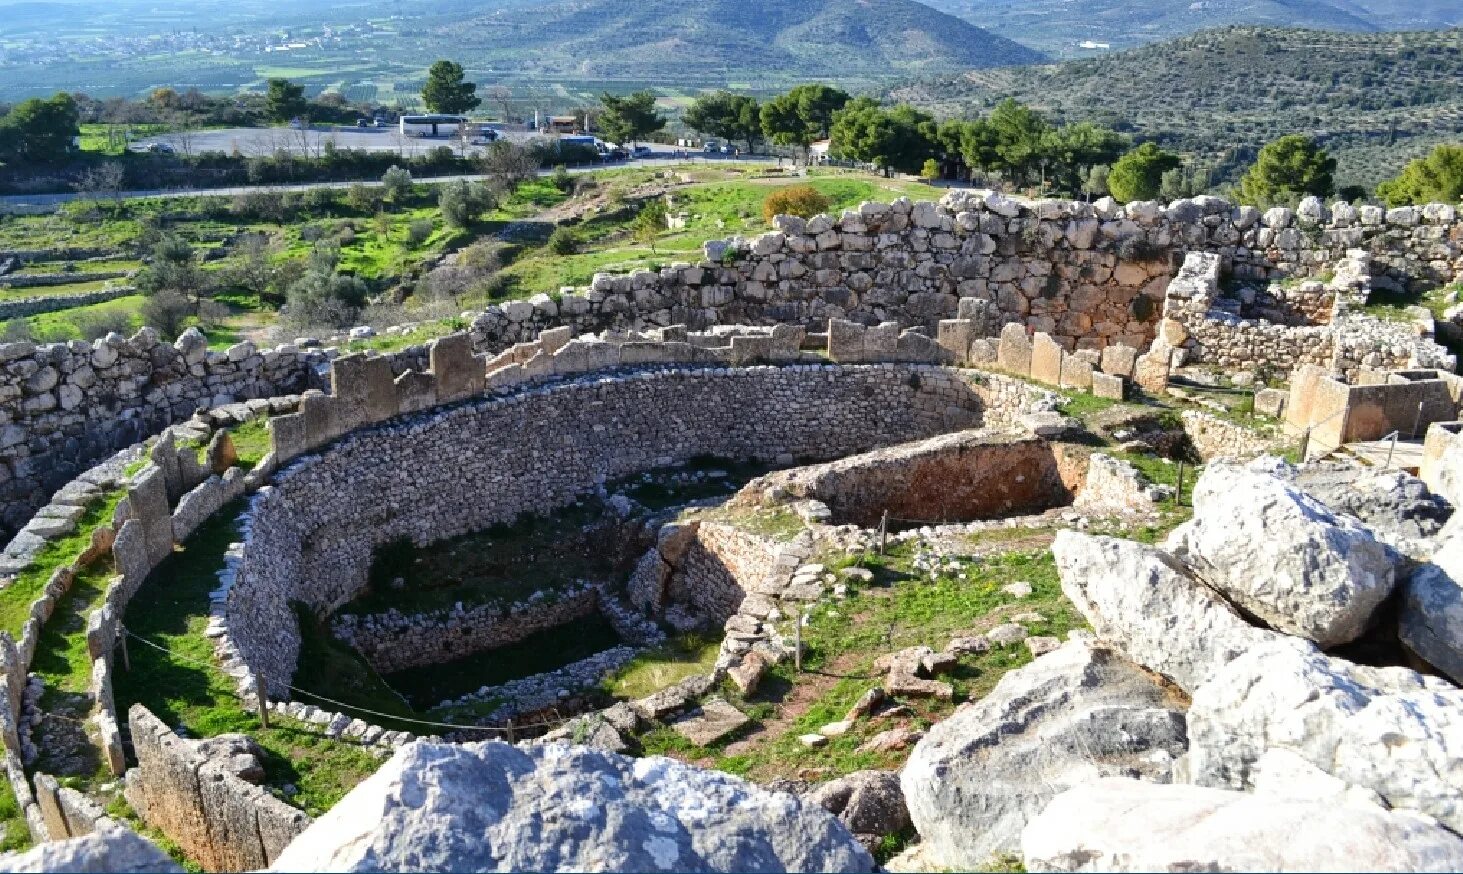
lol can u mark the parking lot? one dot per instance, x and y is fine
(250, 141)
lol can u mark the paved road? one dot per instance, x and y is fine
(663, 158)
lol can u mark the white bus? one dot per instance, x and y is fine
(433, 126)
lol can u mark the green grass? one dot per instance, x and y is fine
(68, 324)
(900, 609)
(1083, 404)
(649, 672)
(14, 830)
(29, 584)
(251, 442)
(171, 611)
(61, 657)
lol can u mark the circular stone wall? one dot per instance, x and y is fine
(454, 470)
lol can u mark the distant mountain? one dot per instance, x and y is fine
(1066, 28)
(751, 41)
(1374, 99)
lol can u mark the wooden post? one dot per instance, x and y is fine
(884, 532)
(263, 700)
(122, 639)
(1178, 493)
(510, 729)
(797, 642)
(1305, 444)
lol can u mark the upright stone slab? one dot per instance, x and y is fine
(1077, 372)
(287, 436)
(1118, 359)
(881, 342)
(1046, 359)
(1105, 385)
(148, 500)
(749, 350)
(1303, 382)
(365, 389)
(415, 391)
(1013, 354)
(554, 339)
(459, 373)
(845, 341)
(164, 454)
(318, 409)
(1151, 370)
(954, 337)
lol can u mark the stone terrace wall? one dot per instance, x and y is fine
(221, 821)
(460, 469)
(949, 478)
(1089, 275)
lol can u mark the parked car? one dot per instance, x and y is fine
(361, 122)
(378, 122)
(160, 148)
(642, 151)
(728, 149)
(712, 147)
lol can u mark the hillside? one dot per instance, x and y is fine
(1221, 94)
(747, 40)
(1060, 27)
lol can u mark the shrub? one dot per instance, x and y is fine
(562, 242)
(96, 324)
(397, 184)
(363, 198)
(803, 201)
(462, 204)
(494, 286)
(317, 200)
(561, 178)
(418, 231)
(484, 255)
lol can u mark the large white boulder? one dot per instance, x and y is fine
(1145, 603)
(113, 849)
(1390, 730)
(494, 807)
(1430, 622)
(1127, 825)
(1282, 556)
(1080, 712)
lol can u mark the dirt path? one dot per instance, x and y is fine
(810, 687)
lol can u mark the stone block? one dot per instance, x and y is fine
(458, 371)
(583, 354)
(1013, 353)
(365, 388)
(1150, 371)
(845, 341)
(148, 500)
(1106, 385)
(415, 391)
(749, 350)
(554, 339)
(1303, 382)
(318, 409)
(164, 454)
(1077, 372)
(982, 351)
(1046, 359)
(881, 342)
(287, 436)
(1119, 359)
(916, 347)
(1270, 402)
(954, 337)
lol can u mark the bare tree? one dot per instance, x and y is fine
(182, 133)
(104, 179)
(502, 97)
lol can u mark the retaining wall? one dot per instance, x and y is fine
(32, 306)
(1088, 275)
(461, 469)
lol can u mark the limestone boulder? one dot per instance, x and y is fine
(1145, 603)
(493, 807)
(1128, 825)
(1393, 731)
(1283, 556)
(112, 849)
(1430, 621)
(1396, 506)
(1081, 712)
(869, 803)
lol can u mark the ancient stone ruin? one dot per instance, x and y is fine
(723, 447)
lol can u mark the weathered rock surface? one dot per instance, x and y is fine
(113, 850)
(1127, 825)
(1397, 507)
(1390, 730)
(1081, 712)
(1430, 622)
(492, 807)
(869, 803)
(1145, 603)
(1282, 556)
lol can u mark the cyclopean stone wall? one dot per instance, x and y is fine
(1088, 275)
(458, 469)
